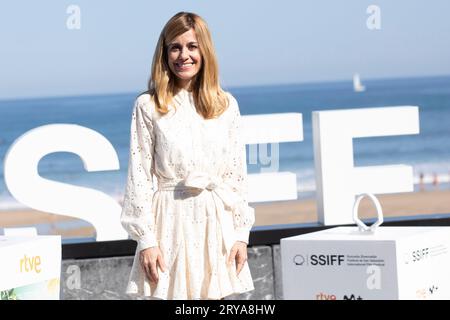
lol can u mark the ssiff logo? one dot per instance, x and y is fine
(319, 259)
(299, 260)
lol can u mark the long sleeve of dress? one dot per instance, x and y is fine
(137, 217)
(236, 175)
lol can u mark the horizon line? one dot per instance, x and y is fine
(245, 86)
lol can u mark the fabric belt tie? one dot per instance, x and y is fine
(221, 192)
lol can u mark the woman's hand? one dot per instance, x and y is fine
(238, 253)
(150, 259)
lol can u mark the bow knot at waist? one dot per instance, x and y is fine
(222, 193)
(195, 179)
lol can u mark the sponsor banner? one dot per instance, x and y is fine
(30, 267)
(345, 264)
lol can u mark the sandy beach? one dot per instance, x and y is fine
(393, 205)
(282, 212)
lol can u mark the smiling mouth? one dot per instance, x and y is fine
(184, 66)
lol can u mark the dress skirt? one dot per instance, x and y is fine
(190, 238)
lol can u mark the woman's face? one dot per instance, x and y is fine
(184, 57)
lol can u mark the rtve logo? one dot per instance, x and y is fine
(30, 264)
(325, 296)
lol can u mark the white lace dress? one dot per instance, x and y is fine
(197, 209)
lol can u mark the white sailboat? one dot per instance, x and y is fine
(357, 86)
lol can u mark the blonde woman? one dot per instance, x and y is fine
(192, 228)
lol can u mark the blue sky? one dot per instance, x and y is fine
(258, 42)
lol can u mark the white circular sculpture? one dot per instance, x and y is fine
(362, 226)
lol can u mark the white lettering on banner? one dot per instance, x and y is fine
(266, 160)
(73, 22)
(374, 278)
(74, 280)
(271, 184)
(374, 20)
(28, 187)
(337, 180)
(28, 260)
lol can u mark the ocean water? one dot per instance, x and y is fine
(110, 115)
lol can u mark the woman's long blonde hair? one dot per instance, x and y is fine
(209, 98)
